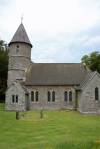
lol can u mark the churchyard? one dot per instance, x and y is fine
(60, 129)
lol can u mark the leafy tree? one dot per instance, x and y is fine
(3, 68)
(92, 61)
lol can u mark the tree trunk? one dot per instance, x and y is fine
(41, 114)
(17, 115)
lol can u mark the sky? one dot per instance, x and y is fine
(61, 31)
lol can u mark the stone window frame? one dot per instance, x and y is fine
(34, 96)
(96, 93)
(69, 96)
(17, 49)
(51, 96)
(15, 98)
(66, 96)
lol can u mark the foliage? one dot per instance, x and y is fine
(3, 68)
(56, 130)
(92, 61)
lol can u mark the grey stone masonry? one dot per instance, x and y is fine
(59, 102)
(19, 61)
(87, 103)
(15, 98)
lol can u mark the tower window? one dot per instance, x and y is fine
(65, 96)
(17, 48)
(96, 93)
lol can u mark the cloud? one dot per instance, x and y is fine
(60, 30)
(68, 47)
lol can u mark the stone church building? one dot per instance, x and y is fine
(48, 85)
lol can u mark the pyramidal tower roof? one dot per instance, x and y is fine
(20, 36)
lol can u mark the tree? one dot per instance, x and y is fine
(92, 61)
(3, 68)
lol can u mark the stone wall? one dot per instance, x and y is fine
(15, 75)
(87, 103)
(15, 89)
(19, 61)
(59, 97)
(24, 50)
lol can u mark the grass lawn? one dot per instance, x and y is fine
(57, 130)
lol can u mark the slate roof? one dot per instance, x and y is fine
(56, 74)
(20, 36)
(88, 77)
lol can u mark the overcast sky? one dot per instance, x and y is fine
(60, 30)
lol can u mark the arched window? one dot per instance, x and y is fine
(53, 96)
(17, 98)
(49, 96)
(32, 96)
(70, 96)
(96, 93)
(36, 96)
(65, 96)
(17, 48)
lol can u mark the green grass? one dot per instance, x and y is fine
(57, 130)
(2, 106)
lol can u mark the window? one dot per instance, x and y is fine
(96, 93)
(17, 98)
(32, 96)
(65, 96)
(36, 96)
(53, 96)
(17, 48)
(13, 98)
(49, 96)
(70, 96)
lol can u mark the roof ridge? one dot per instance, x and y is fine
(59, 63)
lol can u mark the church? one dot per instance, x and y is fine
(48, 85)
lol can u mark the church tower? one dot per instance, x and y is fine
(19, 55)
